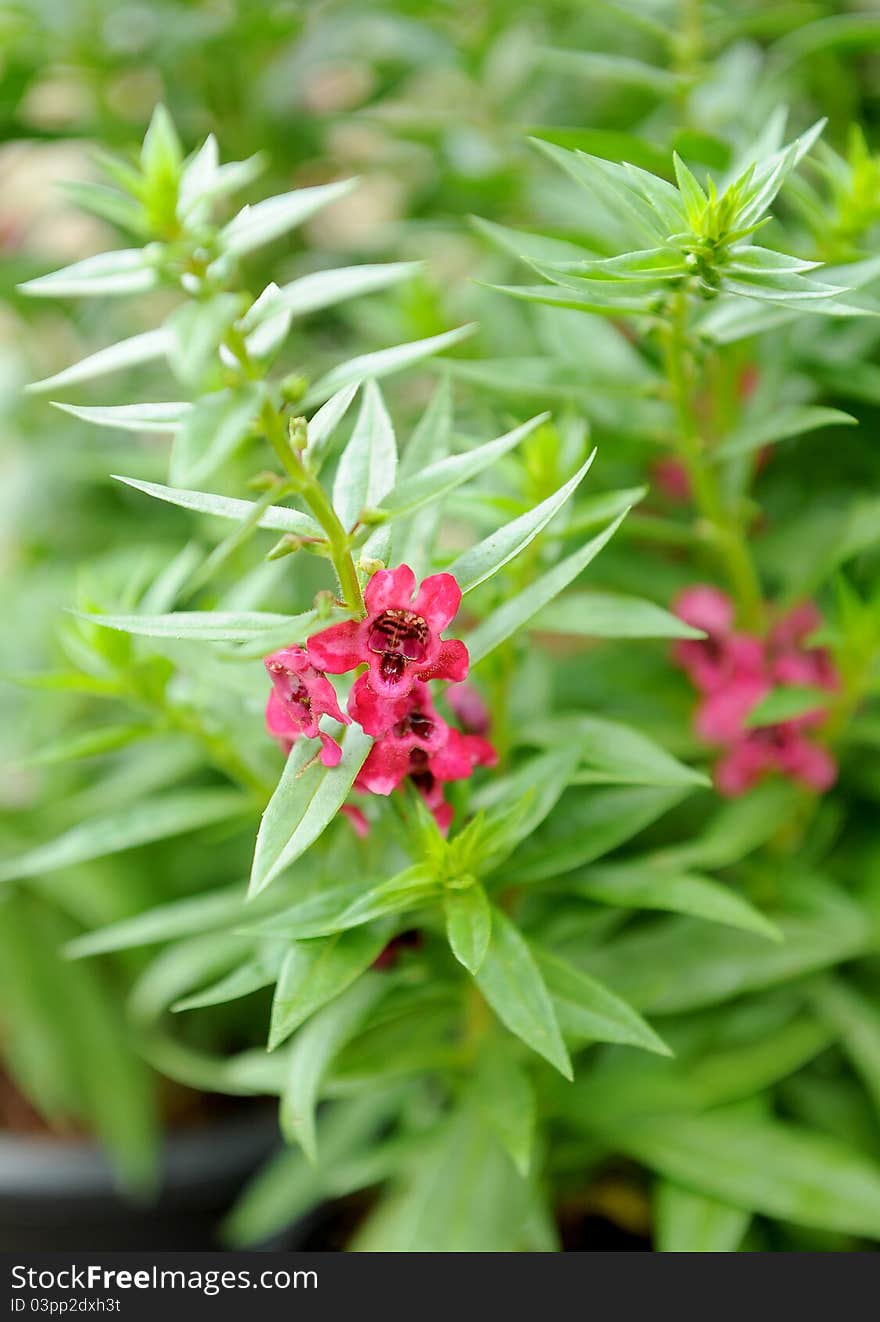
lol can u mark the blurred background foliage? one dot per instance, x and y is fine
(431, 105)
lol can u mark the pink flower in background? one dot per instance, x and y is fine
(400, 637)
(469, 708)
(672, 478)
(300, 695)
(734, 672)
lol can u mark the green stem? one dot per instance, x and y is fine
(726, 535)
(314, 495)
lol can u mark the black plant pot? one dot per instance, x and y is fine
(59, 1194)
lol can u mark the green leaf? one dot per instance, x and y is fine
(152, 819)
(478, 564)
(322, 289)
(312, 1054)
(198, 329)
(856, 1020)
(323, 424)
(161, 153)
(589, 614)
(167, 922)
(784, 704)
(695, 199)
(438, 479)
(131, 417)
(590, 823)
(681, 963)
(368, 464)
(764, 1166)
(132, 352)
(211, 431)
(207, 626)
(276, 517)
(89, 743)
(468, 925)
(125, 271)
(305, 801)
(460, 1194)
(405, 890)
(589, 1012)
(687, 1222)
(635, 886)
(518, 610)
(317, 971)
(274, 216)
(253, 975)
(793, 421)
(511, 982)
(502, 1091)
(602, 66)
(372, 366)
(612, 752)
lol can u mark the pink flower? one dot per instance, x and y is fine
(420, 745)
(734, 672)
(781, 748)
(359, 823)
(300, 696)
(672, 478)
(400, 637)
(470, 709)
(406, 728)
(712, 662)
(721, 713)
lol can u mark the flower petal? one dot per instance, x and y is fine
(376, 713)
(337, 648)
(438, 601)
(390, 589)
(331, 753)
(452, 662)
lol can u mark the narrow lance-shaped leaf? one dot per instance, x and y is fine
(312, 1054)
(757, 433)
(635, 887)
(132, 352)
(277, 517)
(152, 819)
(384, 361)
(588, 614)
(764, 1166)
(468, 925)
(321, 289)
(516, 612)
(476, 565)
(688, 1222)
(438, 479)
(125, 271)
(590, 1012)
(131, 417)
(305, 801)
(368, 464)
(167, 922)
(274, 216)
(207, 626)
(317, 971)
(211, 432)
(511, 982)
(323, 424)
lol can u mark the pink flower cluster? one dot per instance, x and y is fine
(399, 642)
(734, 671)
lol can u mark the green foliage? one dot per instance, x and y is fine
(598, 960)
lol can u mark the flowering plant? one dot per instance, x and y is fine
(557, 873)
